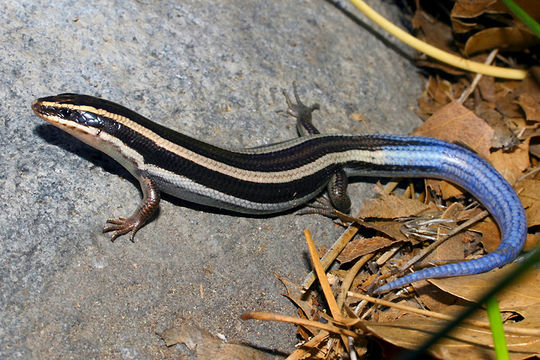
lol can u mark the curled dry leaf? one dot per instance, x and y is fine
(507, 106)
(507, 38)
(466, 15)
(471, 9)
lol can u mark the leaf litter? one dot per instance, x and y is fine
(500, 121)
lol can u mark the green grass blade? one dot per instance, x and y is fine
(523, 16)
(497, 330)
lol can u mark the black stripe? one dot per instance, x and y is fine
(285, 159)
(252, 191)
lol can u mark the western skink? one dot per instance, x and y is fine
(281, 176)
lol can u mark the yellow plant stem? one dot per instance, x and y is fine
(438, 54)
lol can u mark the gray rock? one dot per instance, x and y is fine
(213, 70)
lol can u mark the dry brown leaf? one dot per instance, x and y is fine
(392, 313)
(445, 189)
(486, 85)
(466, 14)
(392, 229)
(392, 207)
(296, 294)
(468, 213)
(434, 298)
(460, 27)
(506, 38)
(449, 69)
(470, 9)
(511, 164)
(506, 105)
(440, 90)
(532, 241)
(315, 348)
(456, 123)
(534, 146)
(465, 342)
(452, 249)
(362, 246)
(529, 194)
(524, 292)
(467, 10)
(530, 85)
(437, 94)
(433, 31)
(530, 105)
(208, 346)
(437, 33)
(503, 137)
(491, 235)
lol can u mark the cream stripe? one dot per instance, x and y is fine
(185, 188)
(375, 157)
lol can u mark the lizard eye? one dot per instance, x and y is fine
(67, 114)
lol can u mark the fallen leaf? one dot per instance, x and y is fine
(511, 164)
(465, 342)
(451, 250)
(392, 207)
(434, 298)
(530, 85)
(431, 296)
(506, 105)
(470, 9)
(466, 15)
(362, 246)
(208, 346)
(525, 291)
(503, 137)
(486, 85)
(505, 38)
(315, 348)
(531, 106)
(529, 194)
(437, 94)
(491, 235)
(390, 228)
(433, 31)
(456, 123)
(532, 241)
(304, 301)
(445, 189)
